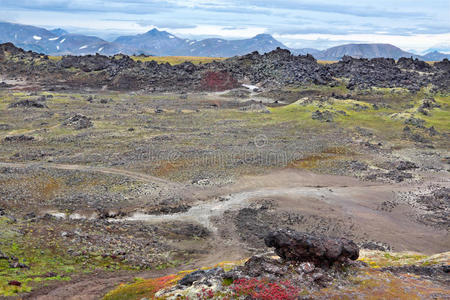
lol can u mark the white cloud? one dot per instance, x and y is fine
(213, 30)
(298, 23)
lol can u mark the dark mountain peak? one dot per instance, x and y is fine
(263, 36)
(153, 31)
(59, 31)
(157, 33)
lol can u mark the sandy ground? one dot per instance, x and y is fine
(333, 197)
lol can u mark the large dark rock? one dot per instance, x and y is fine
(303, 247)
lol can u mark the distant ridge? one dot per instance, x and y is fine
(155, 42)
(363, 51)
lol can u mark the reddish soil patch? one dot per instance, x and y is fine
(218, 81)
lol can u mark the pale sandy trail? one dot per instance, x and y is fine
(104, 170)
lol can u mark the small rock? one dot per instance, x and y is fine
(307, 267)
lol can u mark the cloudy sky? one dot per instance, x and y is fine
(411, 25)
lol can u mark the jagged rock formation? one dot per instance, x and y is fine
(270, 70)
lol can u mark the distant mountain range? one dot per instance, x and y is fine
(162, 43)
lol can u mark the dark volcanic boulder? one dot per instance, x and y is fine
(303, 247)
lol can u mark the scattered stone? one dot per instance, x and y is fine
(238, 93)
(394, 175)
(18, 138)
(18, 265)
(358, 165)
(5, 127)
(405, 165)
(364, 131)
(323, 116)
(256, 108)
(78, 121)
(429, 104)
(432, 132)
(3, 256)
(30, 216)
(374, 246)
(431, 203)
(28, 104)
(419, 123)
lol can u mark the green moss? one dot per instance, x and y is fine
(227, 282)
(46, 262)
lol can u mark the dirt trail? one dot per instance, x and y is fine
(104, 170)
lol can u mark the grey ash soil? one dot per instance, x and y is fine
(161, 180)
(182, 179)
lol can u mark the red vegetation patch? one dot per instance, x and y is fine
(15, 283)
(141, 289)
(262, 289)
(218, 81)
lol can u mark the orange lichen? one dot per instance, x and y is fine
(142, 288)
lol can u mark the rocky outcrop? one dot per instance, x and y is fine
(270, 70)
(278, 67)
(303, 247)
